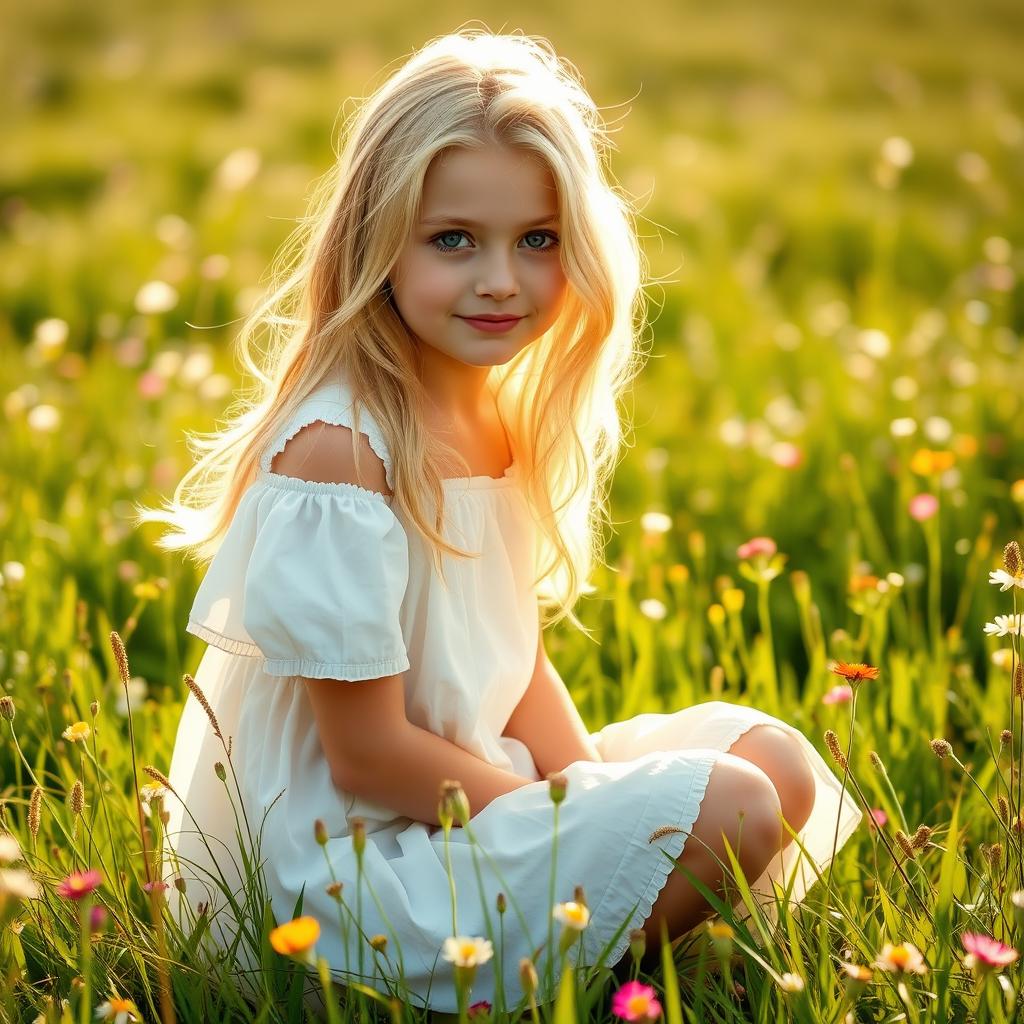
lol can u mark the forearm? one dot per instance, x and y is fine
(406, 775)
(548, 722)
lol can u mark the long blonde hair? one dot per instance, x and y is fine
(329, 310)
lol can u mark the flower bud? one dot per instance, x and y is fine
(455, 802)
(333, 889)
(358, 826)
(218, 768)
(320, 831)
(379, 942)
(921, 837)
(903, 842)
(637, 943)
(557, 783)
(941, 748)
(501, 903)
(721, 936)
(528, 976)
(1006, 737)
(7, 707)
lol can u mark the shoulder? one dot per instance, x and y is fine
(319, 443)
(324, 452)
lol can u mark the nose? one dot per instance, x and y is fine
(498, 278)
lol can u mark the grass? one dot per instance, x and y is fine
(837, 307)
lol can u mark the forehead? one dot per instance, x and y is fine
(496, 184)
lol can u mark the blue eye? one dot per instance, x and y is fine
(441, 247)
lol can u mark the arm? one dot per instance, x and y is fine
(407, 775)
(548, 722)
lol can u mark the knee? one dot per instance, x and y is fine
(779, 754)
(749, 810)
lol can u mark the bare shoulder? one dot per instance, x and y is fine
(324, 453)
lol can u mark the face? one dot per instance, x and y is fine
(487, 241)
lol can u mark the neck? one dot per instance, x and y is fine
(455, 391)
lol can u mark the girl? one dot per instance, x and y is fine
(413, 494)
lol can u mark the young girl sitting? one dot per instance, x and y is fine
(413, 493)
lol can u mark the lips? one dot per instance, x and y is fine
(492, 318)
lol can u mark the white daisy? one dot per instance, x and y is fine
(1001, 576)
(1004, 624)
(467, 952)
(572, 914)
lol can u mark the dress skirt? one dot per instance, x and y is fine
(654, 771)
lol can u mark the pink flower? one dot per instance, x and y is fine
(838, 694)
(159, 886)
(757, 546)
(923, 506)
(636, 1002)
(984, 952)
(482, 1007)
(80, 883)
(151, 384)
(97, 915)
(786, 455)
(878, 817)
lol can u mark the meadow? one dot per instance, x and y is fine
(830, 205)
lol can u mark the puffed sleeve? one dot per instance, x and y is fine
(310, 577)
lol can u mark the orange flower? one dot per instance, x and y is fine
(855, 672)
(925, 462)
(295, 938)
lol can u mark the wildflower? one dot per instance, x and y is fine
(1004, 808)
(721, 939)
(757, 546)
(7, 709)
(985, 953)
(10, 848)
(572, 914)
(482, 1008)
(878, 817)
(655, 522)
(557, 783)
(923, 506)
(841, 694)
(18, 884)
(652, 608)
(467, 954)
(77, 731)
(905, 958)
(80, 883)
(156, 297)
(941, 748)
(120, 1011)
(296, 938)
(155, 885)
(150, 791)
(1005, 624)
(1004, 580)
(97, 916)
(857, 976)
(528, 976)
(926, 462)
(635, 1001)
(854, 672)
(733, 600)
(379, 943)
(716, 615)
(790, 982)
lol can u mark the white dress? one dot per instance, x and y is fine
(323, 580)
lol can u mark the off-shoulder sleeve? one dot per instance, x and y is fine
(310, 577)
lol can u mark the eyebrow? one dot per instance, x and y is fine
(451, 219)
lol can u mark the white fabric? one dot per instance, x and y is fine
(323, 580)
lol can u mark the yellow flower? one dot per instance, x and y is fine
(926, 462)
(78, 731)
(789, 982)
(295, 938)
(902, 959)
(732, 599)
(716, 615)
(572, 914)
(464, 951)
(119, 1010)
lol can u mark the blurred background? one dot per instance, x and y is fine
(830, 203)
